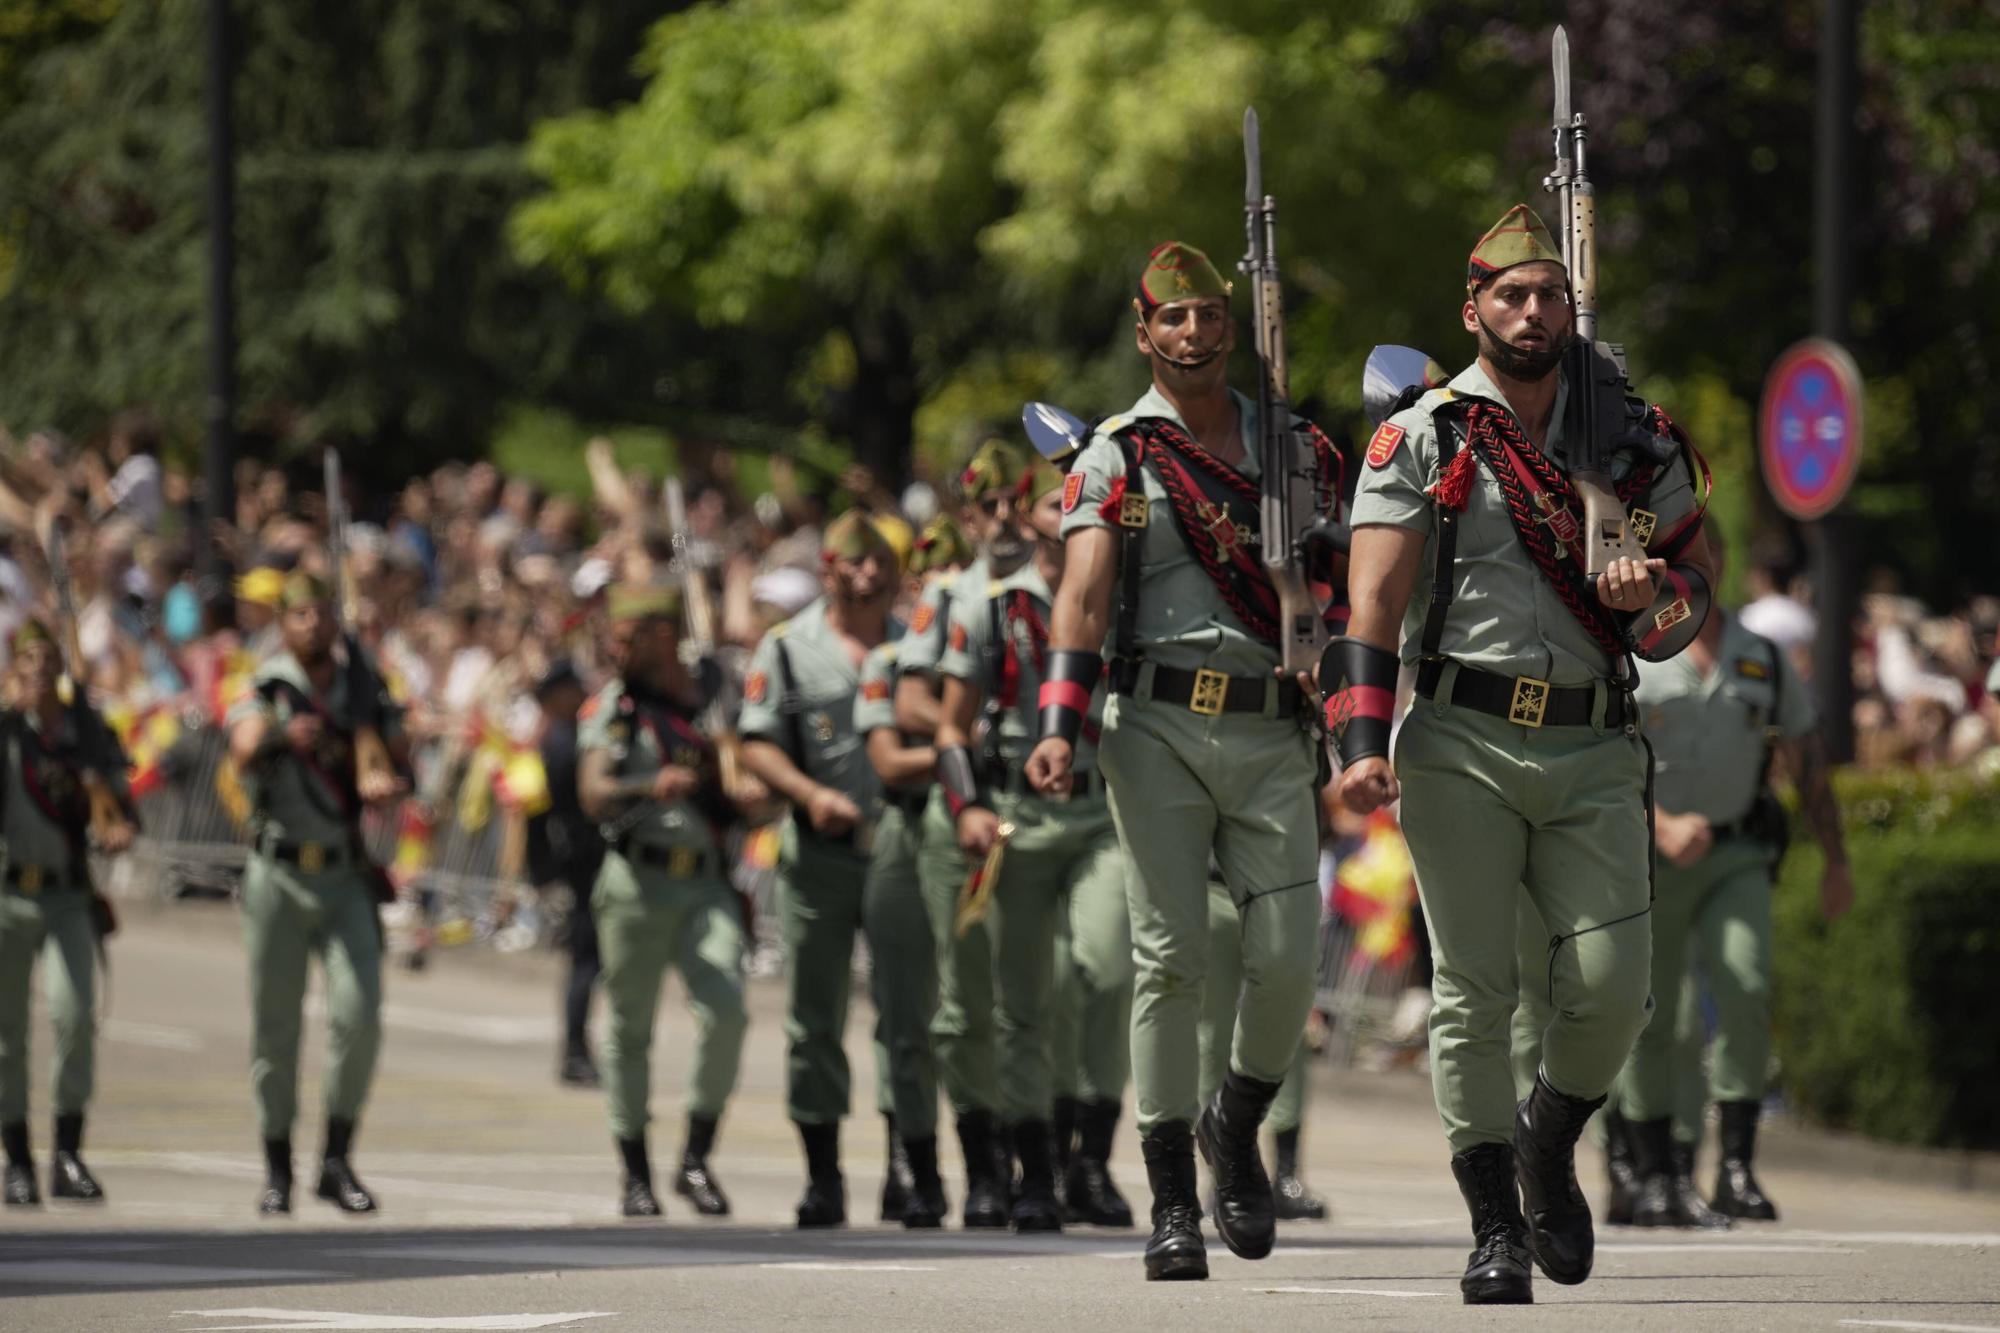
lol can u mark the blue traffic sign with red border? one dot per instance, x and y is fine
(1810, 427)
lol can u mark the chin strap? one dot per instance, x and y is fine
(1362, 703)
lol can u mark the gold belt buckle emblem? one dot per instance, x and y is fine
(1211, 689)
(1132, 511)
(1531, 701)
(312, 857)
(681, 862)
(31, 879)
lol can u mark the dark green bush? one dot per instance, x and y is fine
(1888, 1020)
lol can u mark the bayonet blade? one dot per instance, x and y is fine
(1559, 56)
(1253, 160)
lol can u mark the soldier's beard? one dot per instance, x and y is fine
(1006, 553)
(1528, 365)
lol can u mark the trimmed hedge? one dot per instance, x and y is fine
(1888, 1020)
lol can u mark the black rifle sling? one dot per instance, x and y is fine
(1443, 579)
(791, 705)
(995, 653)
(1131, 568)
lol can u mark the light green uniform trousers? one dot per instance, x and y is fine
(1063, 956)
(55, 924)
(1219, 997)
(288, 917)
(1720, 906)
(1239, 786)
(648, 921)
(906, 1075)
(1488, 807)
(825, 896)
(963, 1032)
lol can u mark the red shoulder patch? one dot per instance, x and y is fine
(958, 637)
(875, 691)
(1072, 491)
(755, 686)
(588, 710)
(1383, 444)
(925, 616)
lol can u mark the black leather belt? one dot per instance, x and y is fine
(1210, 693)
(1524, 699)
(29, 880)
(313, 857)
(677, 862)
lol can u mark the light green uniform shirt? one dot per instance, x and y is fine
(292, 799)
(966, 657)
(641, 750)
(1505, 617)
(875, 700)
(32, 838)
(1183, 621)
(923, 645)
(816, 713)
(1707, 732)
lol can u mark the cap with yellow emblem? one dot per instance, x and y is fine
(942, 545)
(304, 589)
(853, 536)
(642, 601)
(996, 467)
(1519, 237)
(1177, 272)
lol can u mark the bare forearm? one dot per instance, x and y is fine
(1816, 796)
(916, 706)
(775, 769)
(956, 712)
(1080, 617)
(896, 763)
(1382, 573)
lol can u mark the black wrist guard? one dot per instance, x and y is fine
(1066, 691)
(1361, 701)
(959, 778)
(1679, 610)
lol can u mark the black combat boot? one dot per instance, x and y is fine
(338, 1184)
(1036, 1209)
(1089, 1194)
(985, 1197)
(1295, 1203)
(895, 1174)
(1062, 1148)
(1245, 1212)
(21, 1191)
(69, 1178)
(1690, 1209)
(1618, 1166)
(926, 1208)
(277, 1196)
(694, 1181)
(1652, 1172)
(1175, 1251)
(1496, 1272)
(636, 1197)
(577, 1069)
(1546, 1128)
(1737, 1193)
(824, 1204)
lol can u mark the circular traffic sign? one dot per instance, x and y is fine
(1810, 437)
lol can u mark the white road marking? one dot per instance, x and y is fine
(156, 1035)
(530, 1204)
(1919, 1324)
(493, 1029)
(1941, 1239)
(1343, 1291)
(1715, 1247)
(336, 1319)
(806, 1267)
(119, 1273)
(665, 1254)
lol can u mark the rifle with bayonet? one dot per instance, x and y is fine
(1608, 535)
(1297, 512)
(701, 638)
(109, 825)
(371, 756)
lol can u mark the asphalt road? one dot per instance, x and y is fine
(499, 1201)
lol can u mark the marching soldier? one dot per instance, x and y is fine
(799, 739)
(309, 886)
(564, 848)
(1293, 1200)
(904, 766)
(1716, 717)
(47, 905)
(963, 1030)
(1520, 760)
(1062, 862)
(1206, 749)
(653, 783)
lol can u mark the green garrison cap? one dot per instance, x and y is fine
(303, 589)
(941, 545)
(995, 466)
(1042, 479)
(852, 537)
(642, 601)
(1517, 238)
(30, 631)
(1177, 272)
